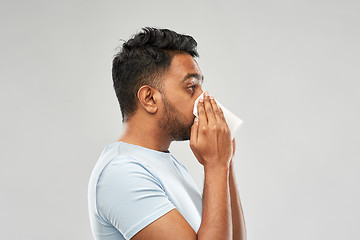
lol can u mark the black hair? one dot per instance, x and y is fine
(142, 60)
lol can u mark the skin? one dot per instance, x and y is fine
(148, 127)
(165, 115)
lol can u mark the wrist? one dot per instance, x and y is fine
(216, 169)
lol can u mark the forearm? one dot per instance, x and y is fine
(238, 221)
(216, 214)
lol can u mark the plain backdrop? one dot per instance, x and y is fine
(289, 69)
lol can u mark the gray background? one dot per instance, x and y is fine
(289, 69)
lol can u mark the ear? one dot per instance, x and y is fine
(148, 98)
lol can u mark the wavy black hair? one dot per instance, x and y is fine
(142, 60)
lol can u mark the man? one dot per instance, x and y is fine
(137, 189)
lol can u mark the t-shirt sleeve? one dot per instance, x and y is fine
(130, 197)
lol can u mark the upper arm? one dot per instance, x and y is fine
(172, 225)
(132, 200)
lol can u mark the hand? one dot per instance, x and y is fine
(210, 138)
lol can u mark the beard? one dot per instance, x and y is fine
(174, 123)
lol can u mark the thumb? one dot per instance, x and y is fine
(194, 131)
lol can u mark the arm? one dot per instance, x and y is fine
(216, 215)
(210, 142)
(238, 222)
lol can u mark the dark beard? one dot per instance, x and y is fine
(171, 123)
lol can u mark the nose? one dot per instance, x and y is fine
(196, 102)
(198, 93)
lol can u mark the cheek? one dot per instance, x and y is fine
(186, 108)
(190, 107)
(189, 112)
(182, 104)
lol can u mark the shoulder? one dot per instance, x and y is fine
(126, 166)
(123, 174)
(129, 196)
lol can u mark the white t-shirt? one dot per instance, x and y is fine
(132, 186)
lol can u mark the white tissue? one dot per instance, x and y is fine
(232, 120)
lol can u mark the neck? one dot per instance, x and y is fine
(145, 134)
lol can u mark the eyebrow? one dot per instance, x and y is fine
(194, 75)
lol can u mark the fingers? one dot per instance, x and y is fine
(217, 112)
(209, 112)
(219, 116)
(201, 113)
(194, 131)
(209, 109)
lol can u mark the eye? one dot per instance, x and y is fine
(192, 87)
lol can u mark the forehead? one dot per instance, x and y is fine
(182, 65)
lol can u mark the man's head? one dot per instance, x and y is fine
(160, 62)
(143, 60)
